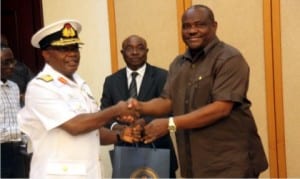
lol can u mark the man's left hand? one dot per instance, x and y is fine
(155, 129)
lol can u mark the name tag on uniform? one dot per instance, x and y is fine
(66, 168)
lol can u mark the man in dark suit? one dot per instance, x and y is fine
(148, 83)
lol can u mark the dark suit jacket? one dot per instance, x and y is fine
(115, 89)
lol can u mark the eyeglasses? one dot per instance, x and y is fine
(8, 62)
(140, 49)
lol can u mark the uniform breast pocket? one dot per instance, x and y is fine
(62, 169)
(76, 105)
(201, 91)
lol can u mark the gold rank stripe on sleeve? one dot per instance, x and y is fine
(46, 78)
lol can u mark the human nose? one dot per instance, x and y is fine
(192, 29)
(137, 50)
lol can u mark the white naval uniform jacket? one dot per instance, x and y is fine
(51, 100)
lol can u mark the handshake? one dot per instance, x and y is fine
(136, 129)
(128, 111)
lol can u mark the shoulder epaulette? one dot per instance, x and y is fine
(46, 78)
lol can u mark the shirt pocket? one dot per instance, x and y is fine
(201, 91)
(76, 104)
(66, 168)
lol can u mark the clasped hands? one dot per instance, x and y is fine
(137, 130)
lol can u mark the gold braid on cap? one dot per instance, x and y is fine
(64, 42)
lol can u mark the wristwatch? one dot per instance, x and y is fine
(172, 126)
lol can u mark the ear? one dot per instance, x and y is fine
(45, 55)
(215, 24)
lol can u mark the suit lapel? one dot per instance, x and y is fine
(147, 82)
(123, 84)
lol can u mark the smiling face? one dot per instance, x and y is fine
(134, 51)
(198, 27)
(64, 59)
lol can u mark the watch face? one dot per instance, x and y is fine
(172, 128)
(171, 125)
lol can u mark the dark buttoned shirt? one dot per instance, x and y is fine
(230, 147)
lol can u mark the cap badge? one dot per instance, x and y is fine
(68, 31)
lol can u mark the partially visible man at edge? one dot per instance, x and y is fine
(206, 90)
(21, 75)
(60, 115)
(12, 161)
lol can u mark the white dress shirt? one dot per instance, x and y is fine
(138, 78)
(9, 107)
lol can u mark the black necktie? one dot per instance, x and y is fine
(132, 87)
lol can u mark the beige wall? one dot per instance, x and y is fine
(154, 20)
(240, 24)
(290, 28)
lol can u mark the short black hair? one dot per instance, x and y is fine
(210, 13)
(124, 43)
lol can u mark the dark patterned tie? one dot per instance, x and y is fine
(132, 87)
